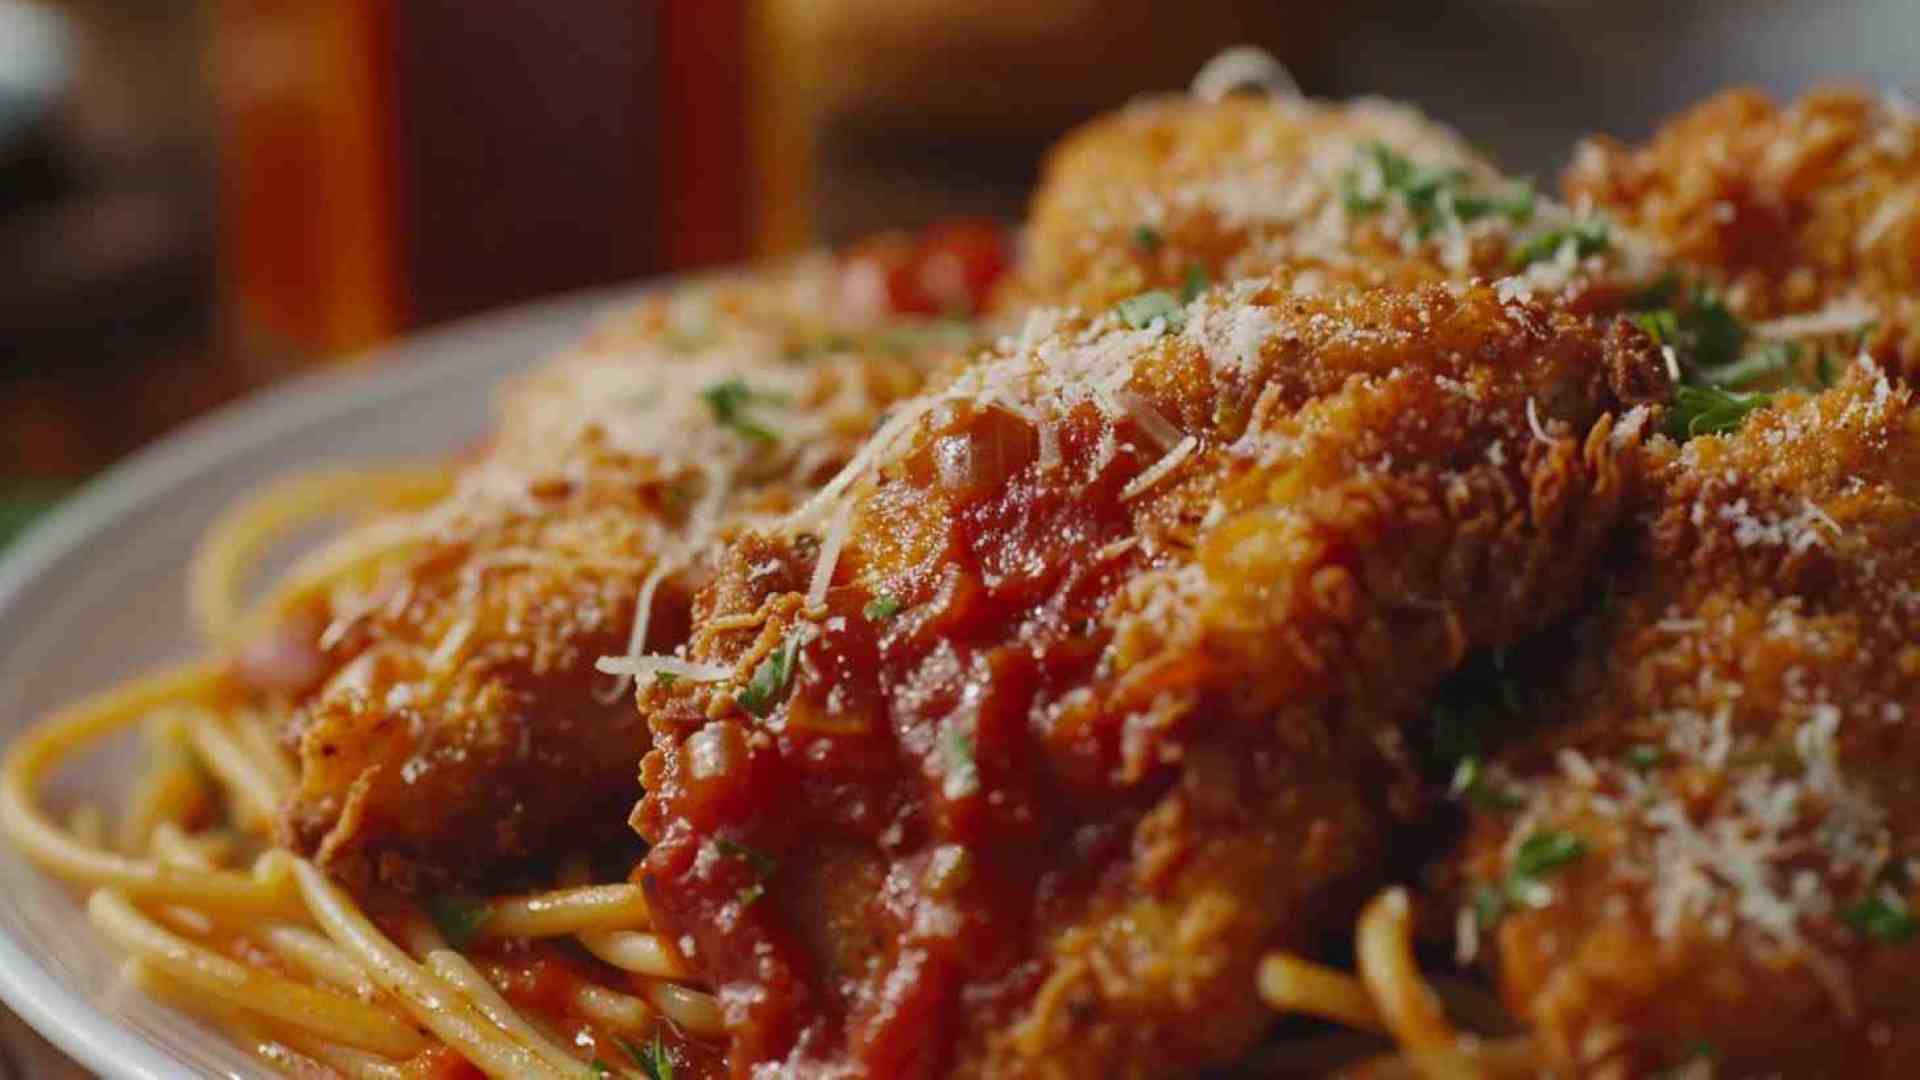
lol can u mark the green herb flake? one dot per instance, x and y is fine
(1470, 782)
(881, 608)
(1644, 756)
(1769, 361)
(458, 916)
(1196, 283)
(665, 679)
(1663, 326)
(1712, 334)
(1708, 410)
(1541, 854)
(771, 679)
(1881, 915)
(1489, 904)
(1515, 204)
(1546, 851)
(654, 1058)
(1142, 311)
(1147, 239)
(730, 399)
(597, 1068)
(1588, 237)
(1433, 197)
(762, 863)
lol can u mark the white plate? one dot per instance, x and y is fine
(94, 594)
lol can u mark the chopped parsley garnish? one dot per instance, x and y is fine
(881, 608)
(1544, 852)
(1142, 311)
(1433, 197)
(771, 679)
(596, 1067)
(1470, 782)
(1196, 283)
(1489, 904)
(665, 678)
(654, 1058)
(458, 916)
(1589, 237)
(763, 865)
(1644, 756)
(1540, 855)
(1771, 359)
(1147, 238)
(1710, 345)
(1881, 915)
(1708, 410)
(963, 772)
(1709, 333)
(729, 400)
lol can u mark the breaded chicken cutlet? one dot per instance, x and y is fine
(1804, 217)
(1170, 193)
(445, 708)
(1086, 680)
(1713, 861)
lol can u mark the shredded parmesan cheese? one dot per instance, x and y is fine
(643, 666)
(1158, 471)
(829, 555)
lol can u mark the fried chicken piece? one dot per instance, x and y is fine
(1093, 686)
(445, 708)
(1806, 215)
(1175, 190)
(1715, 858)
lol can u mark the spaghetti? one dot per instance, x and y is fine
(214, 916)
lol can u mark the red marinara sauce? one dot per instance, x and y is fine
(949, 268)
(863, 868)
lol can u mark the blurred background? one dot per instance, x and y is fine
(200, 196)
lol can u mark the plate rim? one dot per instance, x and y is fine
(72, 1022)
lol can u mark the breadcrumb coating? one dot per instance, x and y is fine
(1068, 735)
(1804, 213)
(452, 721)
(1736, 767)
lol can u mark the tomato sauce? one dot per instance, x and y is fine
(965, 766)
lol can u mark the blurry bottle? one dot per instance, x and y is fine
(392, 164)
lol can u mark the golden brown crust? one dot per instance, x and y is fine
(1790, 209)
(1736, 766)
(459, 725)
(1180, 702)
(1142, 198)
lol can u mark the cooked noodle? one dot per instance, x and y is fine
(266, 945)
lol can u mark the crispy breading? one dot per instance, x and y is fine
(1174, 190)
(1812, 207)
(455, 723)
(1736, 766)
(1104, 691)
